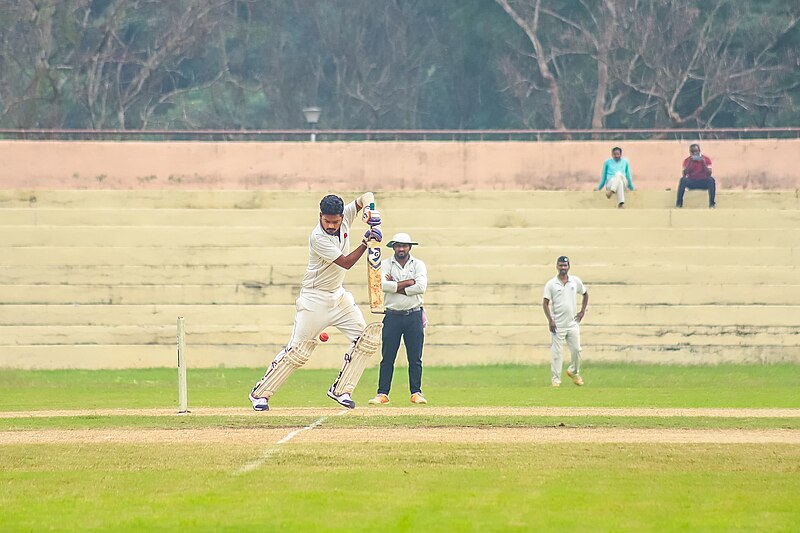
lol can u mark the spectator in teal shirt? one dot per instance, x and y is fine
(616, 172)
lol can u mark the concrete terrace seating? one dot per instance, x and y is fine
(96, 279)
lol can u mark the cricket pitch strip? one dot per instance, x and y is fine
(563, 432)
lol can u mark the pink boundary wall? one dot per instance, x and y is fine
(765, 164)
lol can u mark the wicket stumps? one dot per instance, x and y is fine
(183, 401)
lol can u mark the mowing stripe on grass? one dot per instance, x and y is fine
(269, 452)
(536, 435)
(381, 435)
(433, 411)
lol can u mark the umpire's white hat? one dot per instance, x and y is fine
(400, 238)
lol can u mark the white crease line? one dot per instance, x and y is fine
(272, 450)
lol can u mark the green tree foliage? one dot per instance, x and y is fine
(398, 64)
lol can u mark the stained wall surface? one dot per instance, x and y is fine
(739, 164)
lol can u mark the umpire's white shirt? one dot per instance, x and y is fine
(323, 250)
(414, 269)
(563, 299)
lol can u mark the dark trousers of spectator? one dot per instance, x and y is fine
(409, 327)
(689, 183)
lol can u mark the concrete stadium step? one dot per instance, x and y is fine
(330, 357)
(572, 237)
(99, 277)
(436, 335)
(420, 200)
(699, 292)
(594, 274)
(534, 276)
(406, 218)
(472, 314)
(622, 255)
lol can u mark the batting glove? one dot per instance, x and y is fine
(373, 234)
(371, 217)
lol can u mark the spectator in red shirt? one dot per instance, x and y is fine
(697, 175)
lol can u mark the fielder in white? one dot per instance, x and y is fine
(559, 304)
(324, 302)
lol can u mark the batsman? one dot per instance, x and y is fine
(324, 302)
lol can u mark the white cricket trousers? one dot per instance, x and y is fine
(317, 310)
(572, 335)
(617, 185)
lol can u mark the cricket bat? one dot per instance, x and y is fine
(374, 282)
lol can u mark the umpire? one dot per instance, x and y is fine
(405, 279)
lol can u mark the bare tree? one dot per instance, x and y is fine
(527, 15)
(574, 45)
(131, 61)
(98, 64)
(657, 59)
(378, 66)
(32, 77)
(397, 63)
(692, 65)
(600, 30)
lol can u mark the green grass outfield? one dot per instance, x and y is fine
(482, 456)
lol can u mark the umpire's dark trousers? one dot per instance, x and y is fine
(408, 325)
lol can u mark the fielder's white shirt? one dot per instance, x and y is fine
(563, 299)
(414, 269)
(323, 249)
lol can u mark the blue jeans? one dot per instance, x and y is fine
(689, 183)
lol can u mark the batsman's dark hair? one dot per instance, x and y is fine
(331, 205)
(615, 149)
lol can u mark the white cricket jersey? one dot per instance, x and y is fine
(323, 249)
(563, 299)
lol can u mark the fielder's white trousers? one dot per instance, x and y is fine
(617, 185)
(571, 335)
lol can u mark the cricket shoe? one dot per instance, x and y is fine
(556, 383)
(343, 399)
(379, 399)
(259, 404)
(417, 397)
(576, 378)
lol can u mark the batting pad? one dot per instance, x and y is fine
(355, 359)
(282, 367)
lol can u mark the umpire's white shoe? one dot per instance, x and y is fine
(379, 399)
(259, 404)
(343, 399)
(417, 397)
